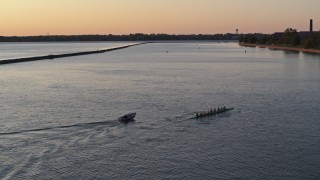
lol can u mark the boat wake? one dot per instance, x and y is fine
(111, 123)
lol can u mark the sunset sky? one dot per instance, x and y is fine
(42, 17)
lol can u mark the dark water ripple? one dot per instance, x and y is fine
(85, 125)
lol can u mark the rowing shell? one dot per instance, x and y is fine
(211, 114)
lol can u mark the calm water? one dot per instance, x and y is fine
(58, 117)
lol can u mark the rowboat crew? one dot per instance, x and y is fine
(212, 112)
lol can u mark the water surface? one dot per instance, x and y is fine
(58, 117)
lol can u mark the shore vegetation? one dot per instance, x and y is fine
(111, 37)
(289, 38)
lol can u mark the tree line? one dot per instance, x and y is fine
(110, 37)
(289, 38)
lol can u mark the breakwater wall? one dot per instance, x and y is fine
(313, 51)
(55, 56)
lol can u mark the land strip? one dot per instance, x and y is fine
(313, 51)
(55, 56)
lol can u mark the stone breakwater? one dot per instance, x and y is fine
(313, 51)
(55, 56)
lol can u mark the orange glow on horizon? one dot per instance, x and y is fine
(40, 17)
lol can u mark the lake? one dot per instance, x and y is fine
(59, 117)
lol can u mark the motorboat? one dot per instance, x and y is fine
(127, 118)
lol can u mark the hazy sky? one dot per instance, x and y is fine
(39, 17)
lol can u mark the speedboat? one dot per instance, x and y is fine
(127, 118)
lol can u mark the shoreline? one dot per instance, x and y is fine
(312, 51)
(55, 56)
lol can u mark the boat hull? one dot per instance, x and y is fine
(127, 118)
(212, 114)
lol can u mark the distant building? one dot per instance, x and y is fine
(278, 36)
(304, 34)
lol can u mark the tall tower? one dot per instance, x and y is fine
(311, 25)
